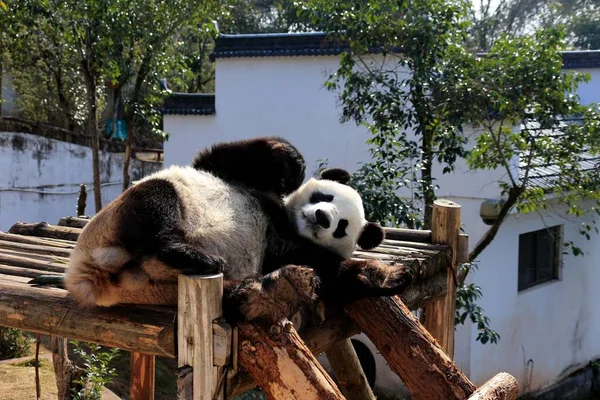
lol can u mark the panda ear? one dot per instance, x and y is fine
(335, 174)
(371, 236)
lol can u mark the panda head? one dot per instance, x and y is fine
(331, 214)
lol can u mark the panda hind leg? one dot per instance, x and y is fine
(189, 260)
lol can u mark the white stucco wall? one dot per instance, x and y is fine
(40, 178)
(555, 325)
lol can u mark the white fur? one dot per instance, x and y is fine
(346, 204)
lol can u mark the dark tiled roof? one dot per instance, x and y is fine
(581, 59)
(321, 44)
(277, 44)
(189, 104)
(545, 176)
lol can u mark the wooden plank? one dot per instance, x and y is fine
(16, 261)
(44, 229)
(34, 256)
(35, 248)
(410, 351)
(438, 316)
(408, 235)
(199, 304)
(282, 364)
(50, 311)
(349, 374)
(64, 244)
(25, 272)
(503, 386)
(142, 376)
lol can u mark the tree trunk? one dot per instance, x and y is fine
(127, 161)
(66, 373)
(92, 132)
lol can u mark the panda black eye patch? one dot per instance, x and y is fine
(340, 231)
(318, 197)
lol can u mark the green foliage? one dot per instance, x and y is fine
(14, 343)
(97, 372)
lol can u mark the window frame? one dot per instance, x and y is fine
(533, 256)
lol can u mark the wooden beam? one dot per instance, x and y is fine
(44, 229)
(63, 244)
(349, 374)
(73, 222)
(142, 376)
(282, 365)
(503, 386)
(411, 352)
(35, 248)
(438, 316)
(408, 235)
(50, 311)
(199, 304)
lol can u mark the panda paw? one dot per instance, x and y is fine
(278, 295)
(385, 280)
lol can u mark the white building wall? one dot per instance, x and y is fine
(40, 178)
(555, 325)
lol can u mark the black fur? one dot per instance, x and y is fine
(371, 236)
(266, 164)
(151, 217)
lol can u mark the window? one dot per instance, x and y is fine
(539, 256)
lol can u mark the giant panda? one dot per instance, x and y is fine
(240, 209)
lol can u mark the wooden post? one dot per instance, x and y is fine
(349, 373)
(503, 386)
(142, 376)
(282, 365)
(409, 349)
(66, 372)
(438, 316)
(200, 303)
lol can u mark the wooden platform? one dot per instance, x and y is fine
(30, 250)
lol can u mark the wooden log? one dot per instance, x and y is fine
(44, 229)
(73, 222)
(16, 261)
(438, 316)
(34, 256)
(37, 241)
(349, 374)
(25, 272)
(35, 248)
(411, 352)
(408, 235)
(199, 304)
(282, 365)
(503, 386)
(142, 376)
(50, 311)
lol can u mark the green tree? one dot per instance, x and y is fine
(424, 80)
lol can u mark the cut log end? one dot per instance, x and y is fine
(503, 386)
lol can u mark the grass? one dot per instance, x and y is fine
(17, 381)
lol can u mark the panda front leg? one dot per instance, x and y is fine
(270, 298)
(356, 279)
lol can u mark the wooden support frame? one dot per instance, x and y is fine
(438, 316)
(349, 373)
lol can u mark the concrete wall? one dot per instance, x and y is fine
(40, 178)
(556, 325)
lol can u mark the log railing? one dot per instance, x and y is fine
(218, 361)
